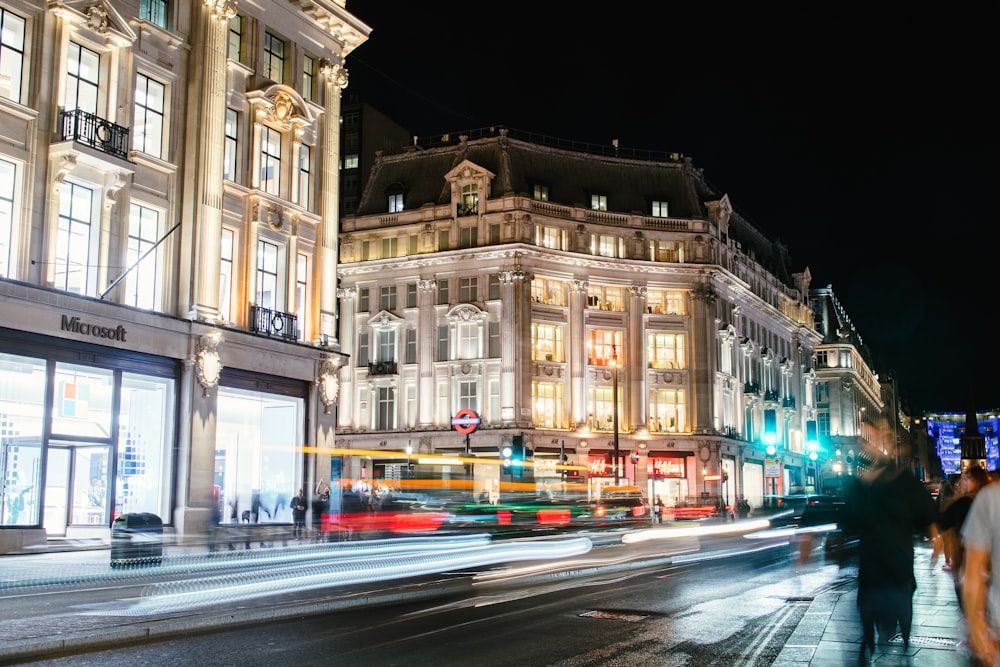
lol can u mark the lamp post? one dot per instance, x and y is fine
(614, 405)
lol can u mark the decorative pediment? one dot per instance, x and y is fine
(99, 18)
(467, 170)
(282, 105)
(383, 319)
(465, 312)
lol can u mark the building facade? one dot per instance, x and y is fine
(582, 300)
(169, 177)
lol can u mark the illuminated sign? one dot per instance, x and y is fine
(672, 467)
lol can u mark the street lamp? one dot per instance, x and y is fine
(614, 404)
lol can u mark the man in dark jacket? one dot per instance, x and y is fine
(886, 507)
(299, 504)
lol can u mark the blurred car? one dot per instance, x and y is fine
(617, 506)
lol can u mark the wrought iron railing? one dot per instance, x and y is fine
(382, 368)
(87, 128)
(273, 323)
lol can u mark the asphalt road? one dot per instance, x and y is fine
(636, 608)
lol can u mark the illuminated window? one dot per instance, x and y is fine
(76, 240)
(551, 237)
(385, 408)
(267, 275)
(599, 202)
(604, 347)
(11, 54)
(665, 350)
(142, 283)
(666, 410)
(666, 251)
(541, 192)
(547, 404)
(351, 161)
(601, 407)
(605, 298)
(547, 342)
(385, 341)
(468, 395)
(270, 160)
(659, 209)
(607, 246)
(8, 182)
(82, 79)
(302, 294)
(226, 274)
(229, 154)
(470, 200)
(147, 121)
(469, 334)
(396, 203)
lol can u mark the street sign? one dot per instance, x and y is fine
(772, 467)
(465, 421)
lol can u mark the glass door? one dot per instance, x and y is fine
(76, 487)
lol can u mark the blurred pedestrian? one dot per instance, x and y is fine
(298, 504)
(949, 522)
(981, 591)
(320, 506)
(886, 507)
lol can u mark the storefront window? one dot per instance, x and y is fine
(82, 402)
(22, 402)
(144, 444)
(258, 437)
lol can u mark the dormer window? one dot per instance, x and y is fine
(470, 200)
(660, 210)
(599, 202)
(396, 202)
(541, 192)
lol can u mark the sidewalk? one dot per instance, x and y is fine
(829, 635)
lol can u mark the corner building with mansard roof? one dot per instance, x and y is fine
(538, 283)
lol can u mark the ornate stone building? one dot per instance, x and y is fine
(579, 300)
(168, 248)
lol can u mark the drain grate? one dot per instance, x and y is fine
(926, 641)
(614, 615)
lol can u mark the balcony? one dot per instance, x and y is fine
(274, 323)
(788, 402)
(86, 128)
(771, 395)
(382, 368)
(751, 388)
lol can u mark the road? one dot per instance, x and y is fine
(621, 604)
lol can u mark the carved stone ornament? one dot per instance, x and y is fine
(207, 362)
(97, 18)
(328, 383)
(283, 107)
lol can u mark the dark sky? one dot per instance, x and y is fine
(858, 137)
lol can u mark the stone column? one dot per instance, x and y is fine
(578, 351)
(334, 81)
(512, 334)
(636, 342)
(348, 394)
(211, 142)
(426, 348)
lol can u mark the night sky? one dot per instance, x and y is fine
(858, 138)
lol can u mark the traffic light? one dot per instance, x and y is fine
(770, 426)
(635, 457)
(812, 437)
(506, 451)
(517, 445)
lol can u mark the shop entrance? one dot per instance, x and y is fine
(76, 487)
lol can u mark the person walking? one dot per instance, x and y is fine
(950, 521)
(981, 592)
(886, 507)
(320, 506)
(299, 504)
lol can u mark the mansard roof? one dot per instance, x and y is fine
(571, 176)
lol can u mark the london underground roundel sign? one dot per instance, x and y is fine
(465, 421)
